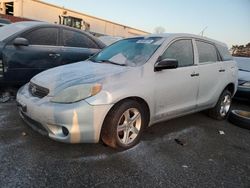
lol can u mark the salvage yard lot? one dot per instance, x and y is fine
(202, 157)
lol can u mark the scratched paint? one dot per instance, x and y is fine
(75, 129)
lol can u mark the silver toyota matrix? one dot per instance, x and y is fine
(130, 85)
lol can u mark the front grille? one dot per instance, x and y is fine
(38, 91)
(1, 68)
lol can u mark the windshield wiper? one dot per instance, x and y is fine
(110, 62)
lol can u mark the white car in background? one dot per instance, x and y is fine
(132, 84)
(108, 40)
(243, 91)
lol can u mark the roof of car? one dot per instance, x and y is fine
(37, 23)
(179, 35)
(31, 24)
(4, 21)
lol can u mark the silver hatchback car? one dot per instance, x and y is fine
(132, 84)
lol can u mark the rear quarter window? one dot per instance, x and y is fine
(224, 53)
(207, 52)
(77, 39)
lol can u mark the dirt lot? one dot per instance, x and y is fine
(203, 158)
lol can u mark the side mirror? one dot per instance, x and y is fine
(166, 64)
(21, 42)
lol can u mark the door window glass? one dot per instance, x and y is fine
(225, 55)
(182, 51)
(42, 36)
(207, 52)
(77, 39)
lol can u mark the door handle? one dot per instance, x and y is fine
(54, 55)
(222, 70)
(194, 74)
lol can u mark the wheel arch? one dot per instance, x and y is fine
(144, 104)
(134, 98)
(231, 88)
(103, 129)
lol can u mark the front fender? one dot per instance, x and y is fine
(107, 98)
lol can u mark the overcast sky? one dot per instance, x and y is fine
(226, 20)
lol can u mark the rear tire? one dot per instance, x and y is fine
(124, 124)
(222, 108)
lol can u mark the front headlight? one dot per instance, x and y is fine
(246, 84)
(77, 93)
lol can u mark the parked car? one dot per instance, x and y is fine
(129, 85)
(27, 48)
(243, 91)
(4, 22)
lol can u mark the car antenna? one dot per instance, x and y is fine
(202, 31)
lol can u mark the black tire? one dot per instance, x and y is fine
(240, 118)
(109, 134)
(215, 112)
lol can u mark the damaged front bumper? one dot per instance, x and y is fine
(72, 123)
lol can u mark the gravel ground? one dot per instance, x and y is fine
(184, 152)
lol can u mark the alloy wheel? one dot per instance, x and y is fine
(225, 105)
(129, 126)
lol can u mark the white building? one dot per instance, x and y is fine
(38, 10)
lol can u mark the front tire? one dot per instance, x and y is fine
(124, 124)
(222, 108)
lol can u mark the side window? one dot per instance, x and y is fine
(225, 55)
(77, 39)
(207, 52)
(42, 36)
(181, 50)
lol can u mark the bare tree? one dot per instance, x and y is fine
(241, 50)
(159, 30)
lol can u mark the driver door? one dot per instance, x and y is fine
(176, 89)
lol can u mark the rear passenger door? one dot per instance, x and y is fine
(209, 70)
(76, 46)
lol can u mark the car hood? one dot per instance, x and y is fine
(59, 78)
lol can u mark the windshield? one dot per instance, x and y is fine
(129, 52)
(11, 29)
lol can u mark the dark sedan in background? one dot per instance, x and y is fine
(27, 48)
(243, 91)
